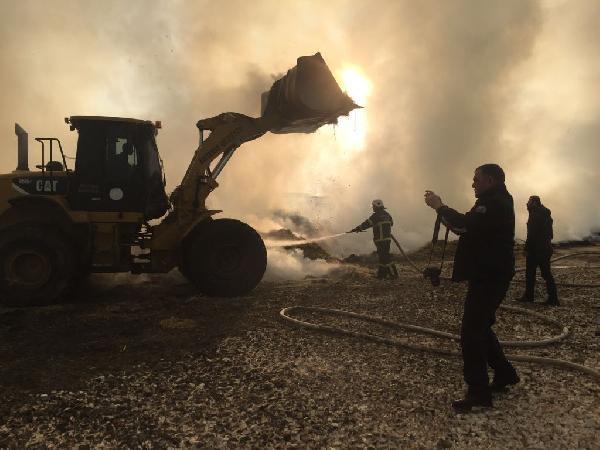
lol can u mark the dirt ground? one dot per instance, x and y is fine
(144, 361)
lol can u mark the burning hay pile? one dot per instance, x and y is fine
(285, 238)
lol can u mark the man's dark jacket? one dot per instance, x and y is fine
(487, 232)
(539, 231)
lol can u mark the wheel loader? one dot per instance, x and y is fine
(59, 223)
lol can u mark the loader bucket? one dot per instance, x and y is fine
(306, 98)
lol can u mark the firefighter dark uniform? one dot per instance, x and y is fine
(381, 222)
(484, 258)
(539, 250)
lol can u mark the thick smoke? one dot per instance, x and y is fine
(292, 265)
(454, 85)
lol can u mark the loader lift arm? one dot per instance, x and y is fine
(225, 256)
(304, 99)
(227, 132)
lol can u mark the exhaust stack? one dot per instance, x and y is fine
(22, 148)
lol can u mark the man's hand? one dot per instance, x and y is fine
(433, 200)
(354, 230)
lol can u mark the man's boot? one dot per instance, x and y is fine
(526, 298)
(552, 301)
(477, 397)
(552, 295)
(381, 272)
(503, 379)
(394, 271)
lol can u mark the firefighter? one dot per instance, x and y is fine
(484, 258)
(382, 223)
(538, 250)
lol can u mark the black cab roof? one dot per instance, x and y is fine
(76, 121)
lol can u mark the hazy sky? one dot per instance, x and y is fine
(446, 85)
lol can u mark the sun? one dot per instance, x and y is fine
(356, 85)
(352, 130)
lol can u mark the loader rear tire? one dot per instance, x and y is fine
(224, 258)
(37, 264)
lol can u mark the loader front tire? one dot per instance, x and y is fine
(224, 258)
(37, 264)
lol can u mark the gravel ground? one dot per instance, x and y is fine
(151, 364)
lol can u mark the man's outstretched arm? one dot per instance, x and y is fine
(363, 226)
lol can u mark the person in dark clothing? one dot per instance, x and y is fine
(382, 223)
(484, 258)
(538, 250)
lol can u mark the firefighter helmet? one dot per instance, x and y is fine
(378, 203)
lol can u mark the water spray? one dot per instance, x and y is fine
(270, 243)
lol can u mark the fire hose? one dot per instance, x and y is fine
(565, 331)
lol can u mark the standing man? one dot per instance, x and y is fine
(382, 223)
(538, 250)
(484, 258)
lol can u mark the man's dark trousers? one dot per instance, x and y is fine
(535, 260)
(479, 343)
(383, 253)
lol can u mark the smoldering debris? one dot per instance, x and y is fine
(293, 264)
(282, 234)
(291, 256)
(298, 233)
(313, 252)
(287, 239)
(297, 222)
(353, 258)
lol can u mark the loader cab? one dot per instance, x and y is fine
(117, 167)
